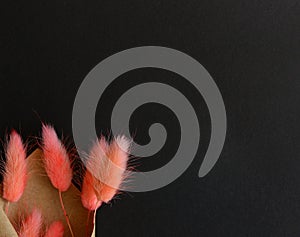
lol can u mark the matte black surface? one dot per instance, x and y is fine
(251, 49)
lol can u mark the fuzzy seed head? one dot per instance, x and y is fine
(107, 165)
(88, 194)
(56, 229)
(118, 155)
(15, 173)
(31, 226)
(56, 160)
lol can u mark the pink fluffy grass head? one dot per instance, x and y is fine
(15, 172)
(31, 226)
(107, 164)
(56, 229)
(56, 159)
(118, 155)
(89, 197)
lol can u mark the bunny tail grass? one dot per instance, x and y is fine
(57, 165)
(118, 154)
(56, 160)
(88, 195)
(31, 226)
(56, 229)
(107, 164)
(15, 172)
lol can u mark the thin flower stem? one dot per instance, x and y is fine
(94, 221)
(95, 212)
(65, 213)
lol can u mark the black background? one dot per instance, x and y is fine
(251, 49)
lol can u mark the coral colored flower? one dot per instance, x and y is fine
(88, 195)
(31, 226)
(56, 229)
(106, 168)
(56, 160)
(118, 155)
(15, 173)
